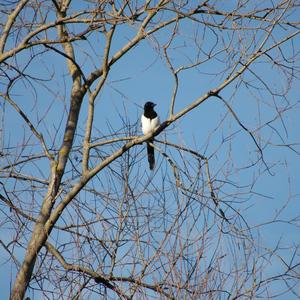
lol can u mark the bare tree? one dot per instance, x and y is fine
(80, 213)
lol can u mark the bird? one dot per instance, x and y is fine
(150, 120)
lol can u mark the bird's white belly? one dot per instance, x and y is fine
(149, 125)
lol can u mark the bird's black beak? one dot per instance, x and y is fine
(153, 104)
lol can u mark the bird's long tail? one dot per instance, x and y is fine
(151, 158)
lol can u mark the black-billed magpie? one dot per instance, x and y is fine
(150, 121)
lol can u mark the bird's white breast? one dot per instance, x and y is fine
(149, 125)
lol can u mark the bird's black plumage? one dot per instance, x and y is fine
(150, 121)
(149, 111)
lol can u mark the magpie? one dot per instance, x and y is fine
(150, 121)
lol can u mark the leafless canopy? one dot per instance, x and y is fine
(82, 216)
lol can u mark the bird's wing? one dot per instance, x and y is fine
(155, 122)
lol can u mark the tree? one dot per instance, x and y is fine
(81, 213)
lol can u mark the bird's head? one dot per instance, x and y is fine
(149, 105)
